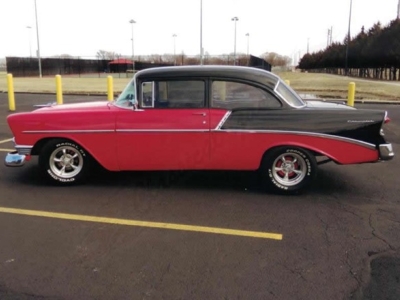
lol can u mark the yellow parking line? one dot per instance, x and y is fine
(36, 213)
(5, 141)
(6, 150)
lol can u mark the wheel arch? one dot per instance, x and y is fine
(103, 158)
(315, 152)
(37, 148)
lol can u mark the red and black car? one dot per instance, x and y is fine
(200, 118)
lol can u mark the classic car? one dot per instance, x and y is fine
(200, 118)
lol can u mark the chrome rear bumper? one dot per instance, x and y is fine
(14, 159)
(386, 152)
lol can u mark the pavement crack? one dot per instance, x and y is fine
(353, 274)
(271, 293)
(326, 227)
(165, 272)
(294, 272)
(375, 234)
(343, 207)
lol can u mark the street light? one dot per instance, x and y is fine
(174, 36)
(235, 19)
(346, 69)
(201, 32)
(30, 40)
(248, 37)
(37, 37)
(133, 51)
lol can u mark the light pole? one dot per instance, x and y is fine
(133, 50)
(30, 41)
(201, 32)
(346, 70)
(234, 19)
(248, 37)
(174, 36)
(38, 45)
(398, 10)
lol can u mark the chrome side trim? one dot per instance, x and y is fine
(13, 159)
(223, 120)
(314, 134)
(162, 130)
(117, 130)
(386, 151)
(70, 131)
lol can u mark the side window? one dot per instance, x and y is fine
(173, 94)
(231, 95)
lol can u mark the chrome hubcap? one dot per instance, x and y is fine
(289, 169)
(66, 162)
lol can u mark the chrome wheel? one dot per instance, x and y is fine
(66, 162)
(289, 169)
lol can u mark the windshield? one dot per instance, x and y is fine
(289, 95)
(127, 97)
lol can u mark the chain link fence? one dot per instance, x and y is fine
(119, 66)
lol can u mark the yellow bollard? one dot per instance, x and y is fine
(59, 90)
(110, 92)
(351, 94)
(287, 82)
(11, 97)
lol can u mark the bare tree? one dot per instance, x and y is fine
(108, 55)
(276, 60)
(65, 56)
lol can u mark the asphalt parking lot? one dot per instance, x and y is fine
(340, 240)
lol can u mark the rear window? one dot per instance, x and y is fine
(233, 95)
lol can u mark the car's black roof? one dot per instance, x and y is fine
(232, 72)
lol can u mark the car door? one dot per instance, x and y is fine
(169, 130)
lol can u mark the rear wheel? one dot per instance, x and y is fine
(288, 169)
(63, 161)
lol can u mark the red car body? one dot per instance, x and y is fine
(218, 133)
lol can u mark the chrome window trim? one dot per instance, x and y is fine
(314, 134)
(71, 131)
(152, 95)
(114, 102)
(223, 120)
(384, 118)
(284, 99)
(126, 107)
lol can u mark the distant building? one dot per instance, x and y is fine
(121, 65)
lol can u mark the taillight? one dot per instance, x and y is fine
(387, 120)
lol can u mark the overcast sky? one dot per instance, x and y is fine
(82, 27)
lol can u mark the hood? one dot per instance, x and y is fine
(312, 104)
(83, 106)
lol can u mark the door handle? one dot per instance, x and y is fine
(200, 114)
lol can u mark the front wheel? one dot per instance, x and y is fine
(63, 162)
(288, 169)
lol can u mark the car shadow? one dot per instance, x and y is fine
(328, 181)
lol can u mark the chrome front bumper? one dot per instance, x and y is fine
(386, 152)
(14, 159)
